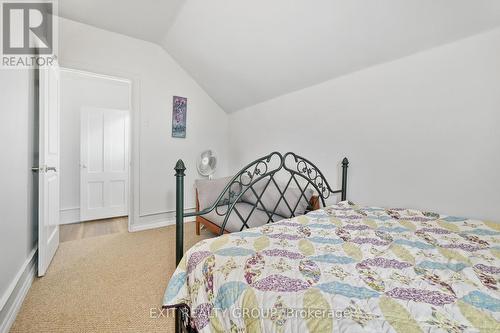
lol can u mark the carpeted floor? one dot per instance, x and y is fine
(110, 283)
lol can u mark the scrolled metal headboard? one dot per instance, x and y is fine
(243, 182)
(308, 171)
(265, 170)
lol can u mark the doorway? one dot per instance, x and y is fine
(69, 101)
(95, 146)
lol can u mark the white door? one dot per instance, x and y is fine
(48, 220)
(104, 163)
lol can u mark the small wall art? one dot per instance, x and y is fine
(179, 113)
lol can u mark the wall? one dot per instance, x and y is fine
(79, 90)
(155, 77)
(18, 190)
(420, 132)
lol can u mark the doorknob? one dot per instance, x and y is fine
(43, 168)
(40, 169)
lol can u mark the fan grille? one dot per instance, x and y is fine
(207, 163)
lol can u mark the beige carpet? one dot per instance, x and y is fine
(105, 284)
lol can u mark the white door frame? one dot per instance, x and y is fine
(131, 193)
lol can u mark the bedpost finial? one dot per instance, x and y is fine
(179, 168)
(345, 161)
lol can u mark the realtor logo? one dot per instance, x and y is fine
(26, 27)
(28, 33)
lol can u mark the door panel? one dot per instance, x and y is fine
(48, 220)
(117, 127)
(95, 130)
(104, 163)
(95, 195)
(118, 193)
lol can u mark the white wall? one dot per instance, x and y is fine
(82, 90)
(18, 219)
(422, 131)
(156, 77)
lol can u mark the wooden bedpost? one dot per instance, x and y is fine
(179, 226)
(345, 165)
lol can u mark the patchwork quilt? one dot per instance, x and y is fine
(345, 268)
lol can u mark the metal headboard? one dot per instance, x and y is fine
(264, 169)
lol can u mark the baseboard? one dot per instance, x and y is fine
(158, 224)
(69, 215)
(72, 215)
(157, 221)
(15, 299)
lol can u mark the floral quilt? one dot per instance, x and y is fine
(345, 268)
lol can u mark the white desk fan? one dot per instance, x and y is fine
(207, 163)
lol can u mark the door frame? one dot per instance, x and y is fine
(131, 125)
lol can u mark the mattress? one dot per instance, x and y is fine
(345, 268)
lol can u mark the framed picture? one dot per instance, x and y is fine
(179, 112)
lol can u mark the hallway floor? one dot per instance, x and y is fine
(82, 230)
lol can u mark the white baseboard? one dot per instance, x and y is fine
(15, 297)
(146, 222)
(157, 221)
(72, 215)
(157, 224)
(69, 215)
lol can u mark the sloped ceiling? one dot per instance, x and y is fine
(244, 52)
(144, 19)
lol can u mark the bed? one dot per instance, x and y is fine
(343, 268)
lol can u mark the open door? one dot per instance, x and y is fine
(104, 166)
(48, 220)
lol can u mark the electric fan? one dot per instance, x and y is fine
(207, 163)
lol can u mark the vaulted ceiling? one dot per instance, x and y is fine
(244, 52)
(144, 19)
